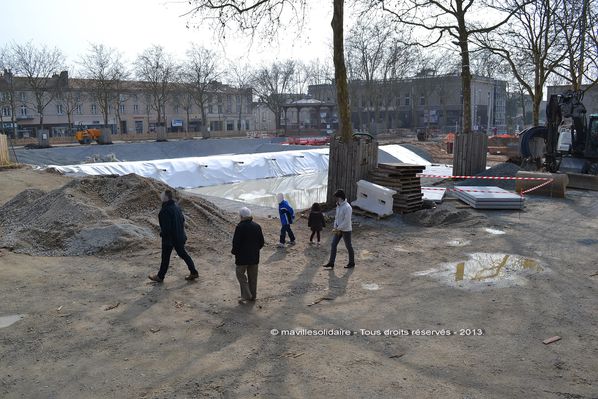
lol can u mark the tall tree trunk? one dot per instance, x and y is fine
(340, 72)
(349, 159)
(536, 106)
(470, 150)
(466, 85)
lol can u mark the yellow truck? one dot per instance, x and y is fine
(88, 135)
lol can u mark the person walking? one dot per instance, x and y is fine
(287, 215)
(342, 229)
(172, 231)
(316, 222)
(247, 242)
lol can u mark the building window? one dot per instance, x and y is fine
(94, 109)
(407, 100)
(136, 108)
(23, 110)
(229, 104)
(219, 108)
(109, 109)
(176, 109)
(230, 125)
(422, 100)
(79, 109)
(59, 109)
(5, 111)
(22, 96)
(122, 108)
(239, 105)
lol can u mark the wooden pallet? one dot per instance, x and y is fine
(404, 180)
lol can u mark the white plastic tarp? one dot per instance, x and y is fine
(224, 169)
(212, 170)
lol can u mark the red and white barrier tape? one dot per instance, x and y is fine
(546, 181)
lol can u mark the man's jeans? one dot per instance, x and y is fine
(335, 240)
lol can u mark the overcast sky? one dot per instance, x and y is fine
(133, 25)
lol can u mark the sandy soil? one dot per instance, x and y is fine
(193, 340)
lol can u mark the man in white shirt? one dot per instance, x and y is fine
(342, 229)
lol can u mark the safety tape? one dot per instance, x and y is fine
(546, 180)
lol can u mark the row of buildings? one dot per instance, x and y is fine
(426, 101)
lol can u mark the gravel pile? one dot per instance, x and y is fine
(99, 214)
(506, 169)
(443, 216)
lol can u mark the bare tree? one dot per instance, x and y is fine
(200, 71)
(156, 69)
(104, 72)
(577, 28)
(241, 77)
(7, 88)
(530, 45)
(71, 98)
(367, 45)
(266, 17)
(39, 66)
(434, 22)
(272, 85)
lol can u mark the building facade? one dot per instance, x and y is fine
(430, 101)
(130, 109)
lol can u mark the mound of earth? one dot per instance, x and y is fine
(443, 217)
(99, 214)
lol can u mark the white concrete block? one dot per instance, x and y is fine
(374, 198)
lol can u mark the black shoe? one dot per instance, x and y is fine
(155, 278)
(350, 266)
(328, 266)
(192, 276)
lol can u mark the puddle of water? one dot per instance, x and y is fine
(494, 231)
(483, 266)
(485, 269)
(458, 243)
(6, 321)
(370, 286)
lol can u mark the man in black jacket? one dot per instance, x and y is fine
(247, 242)
(172, 231)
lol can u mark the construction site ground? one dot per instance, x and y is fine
(95, 326)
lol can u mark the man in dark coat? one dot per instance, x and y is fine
(247, 242)
(172, 231)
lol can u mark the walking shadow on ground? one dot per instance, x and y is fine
(337, 286)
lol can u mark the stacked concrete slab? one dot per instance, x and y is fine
(489, 197)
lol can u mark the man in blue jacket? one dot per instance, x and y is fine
(286, 219)
(172, 231)
(248, 240)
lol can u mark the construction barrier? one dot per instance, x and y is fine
(545, 180)
(4, 156)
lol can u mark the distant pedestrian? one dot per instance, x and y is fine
(287, 215)
(247, 242)
(342, 229)
(316, 222)
(172, 231)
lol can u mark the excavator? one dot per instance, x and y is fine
(569, 141)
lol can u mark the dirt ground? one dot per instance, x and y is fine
(194, 340)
